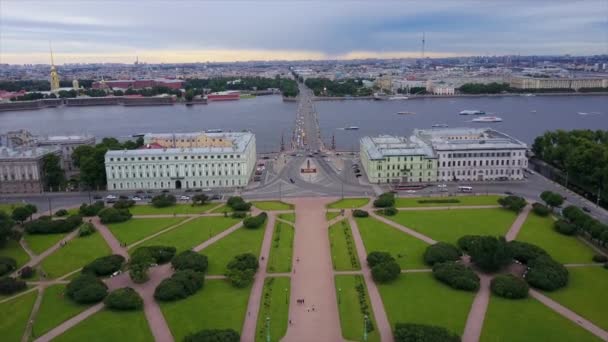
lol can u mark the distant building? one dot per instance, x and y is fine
(21, 169)
(184, 161)
(139, 84)
(54, 77)
(523, 82)
(67, 144)
(439, 88)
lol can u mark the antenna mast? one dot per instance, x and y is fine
(423, 43)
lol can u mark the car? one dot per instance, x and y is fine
(510, 193)
(97, 197)
(198, 190)
(136, 198)
(165, 191)
(410, 191)
(184, 198)
(123, 197)
(585, 209)
(215, 197)
(139, 192)
(115, 274)
(206, 189)
(358, 175)
(292, 181)
(257, 178)
(265, 157)
(111, 197)
(357, 171)
(149, 191)
(442, 185)
(188, 190)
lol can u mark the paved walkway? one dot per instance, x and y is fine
(518, 223)
(27, 334)
(161, 232)
(111, 240)
(63, 327)
(312, 278)
(477, 313)
(450, 207)
(404, 229)
(38, 258)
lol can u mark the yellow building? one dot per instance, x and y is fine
(188, 140)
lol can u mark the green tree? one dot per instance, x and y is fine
(54, 176)
(490, 253)
(20, 214)
(552, 199)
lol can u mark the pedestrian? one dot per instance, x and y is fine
(297, 259)
(289, 322)
(249, 313)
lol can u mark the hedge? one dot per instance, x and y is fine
(490, 253)
(91, 210)
(213, 335)
(152, 254)
(524, 251)
(10, 285)
(163, 200)
(564, 227)
(376, 258)
(61, 213)
(27, 272)
(442, 200)
(241, 269)
(238, 204)
(239, 214)
(386, 271)
(86, 229)
(189, 260)
(104, 266)
(7, 265)
(86, 289)
(509, 286)
(45, 225)
(546, 273)
(254, 222)
(456, 276)
(385, 200)
(390, 211)
(540, 209)
(124, 204)
(410, 332)
(180, 285)
(360, 213)
(139, 273)
(466, 241)
(113, 215)
(441, 252)
(514, 203)
(124, 299)
(600, 258)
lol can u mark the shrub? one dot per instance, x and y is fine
(360, 213)
(10, 285)
(240, 278)
(124, 299)
(61, 213)
(376, 258)
(86, 229)
(390, 211)
(139, 273)
(163, 200)
(7, 265)
(153, 254)
(124, 204)
(91, 210)
(238, 204)
(20, 214)
(465, 242)
(386, 271)
(113, 215)
(189, 260)
(241, 269)
(385, 200)
(104, 266)
(514, 203)
(239, 214)
(441, 252)
(213, 335)
(27, 272)
(540, 209)
(509, 286)
(564, 227)
(490, 253)
(456, 276)
(525, 252)
(86, 289)
(410, 332)
(552, 199)
(254, 222)
(180, 285)
(600, 258)
(46, 225)
(546, 274)
(199, 199)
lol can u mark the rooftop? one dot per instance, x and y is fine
(7, 153)
(466, 139)
(384, 146)
(64, 138)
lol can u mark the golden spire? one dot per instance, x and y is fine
(52, 61)
(54, 74)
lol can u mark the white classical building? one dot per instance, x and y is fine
(475, 154)
(21, 168)
(184, 161)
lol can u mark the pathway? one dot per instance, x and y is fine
(38, 258)
(63, 327)
(27, 334)
(312, 278)
(450, 207)
(110, 239)
(161, 232)
(403, 228)
(518, 223)
(477, 313)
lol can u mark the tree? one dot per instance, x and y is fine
(540, 209)
(9, 285)
(213, 335)
(456, 276)
(86, 289)
(139, 273)
(254, 222)
(32, 209)
(564, 227)
(241, 269)
(237, 203)
(386, 271)
(124, 299)
(190, 260)
(180, 285)
(509, 286)
(490, 253)
(360, 213)
(6, 226)
(20, 214)
(552, 199)
(163, 201)
(104, 266)
(441, 252)
(54, 176)
(385, 200)
(409, 332)
(546, 274)
(199, 199)
(113, 215)
(514, 203)
(189, 95)
(7, 265)
(525, 252)
(375, 258)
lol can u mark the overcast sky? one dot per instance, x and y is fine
(191, 31)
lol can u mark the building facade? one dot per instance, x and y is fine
(21, 168)
(162, 165)
(67, 144)
(522, 82)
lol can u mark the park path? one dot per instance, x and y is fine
(149, 237)
(382, 323)
(38, 258)
(449, 207)
(27, 334)
(312, 278)
(257, 289)
(404, 229)
(63, 327)
(518, 223)
(110, 239)
(477, 313)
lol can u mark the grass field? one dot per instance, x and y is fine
(54, 310)
(348, 203)
(586, 294)
(378, 236)
(218, 305)
(146, 209)
(222, 209)
(192, 233)
(136, 229)
(12, 249)
(330, 215)
(109, 325)
(405, 202)
(291, 217)
(272, 205)
(351, 317)
(9, 207)
(450, 225)
(565, 249)
(528, 320)
(340, 238)
(274, 305)
(14, 315)
(77, 253)
(241, 241)
(41, 242)
(419, 298)
(281, 250)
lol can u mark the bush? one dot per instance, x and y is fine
(113, 215)
(153, 254)
(91, 210)
(86, 289)
(241, 269)
(10, 285)
(552, 199)
(490, 253)
(163, 200)
(180, 285)
(45, 225)
(456, 276)
(441, 252)
(509, 286)
(124, 204)
(466, 242)
(541, 209)
(360, 213)
(86, 229)
(124, 299)
(600, 258)
(189, 260)
(385, 200)
(27, 272)
(104, 266)
(254, 222)
(239, 214)
(20, 214)
(213, 335)
(7, 265)
(238, 204)
(525, 252)
(61, 213)
(564, 227)
(199, 199)
(410, 332)
(386, 271)
(139, 273)
(514, 203)
(376, 258)
(390, 211)
(240, 278)
(546, 274)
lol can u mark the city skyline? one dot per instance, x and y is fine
(266, 30)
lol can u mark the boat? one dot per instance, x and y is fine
(583, 113)
(215, 130)
(439, 125)
(472, 112)
(398, 97)
(488, 119)
(229, 95)
(351, 128)
(533, 111)
(406, 113)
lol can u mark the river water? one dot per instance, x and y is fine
(269, 117)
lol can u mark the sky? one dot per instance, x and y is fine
(91, 31)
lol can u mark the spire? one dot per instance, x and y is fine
(52, 60)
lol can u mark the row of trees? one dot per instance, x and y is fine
(346, 87)
(287, 86)
(39, 85)
(586, 225)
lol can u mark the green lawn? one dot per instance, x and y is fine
(348, 203)
(8, 208)
(77, 253)
(450, 225)
(419, 298)
(405, 202)
(330, 215)
(527, 319)
(343, 251)
(272, 205)
(146, 209)
(222, 209)
(109, 325)
(281, 251)
(351, 317)
(218, 305)
(192, 233)
(241, 241)
(378, 236)
(565, 249)
(586, 294)
(136, 229)
(12, 249)
(274, 305)
(14, 315)
(41, 242)
(54, 310)
(291, 217)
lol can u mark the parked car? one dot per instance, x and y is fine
(510, 193)
(139, 192)
(215, 197)
(358, 175)
(165, 191)
(188, 190)
(136, 198)
(184, 198)
(96, 197)
(115, 274)
(442, 185)
(291, 180)
(206, 189)
(410, 191)
(585, 209)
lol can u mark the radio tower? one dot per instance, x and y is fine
(423, 43)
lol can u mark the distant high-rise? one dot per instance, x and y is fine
(54, 75)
